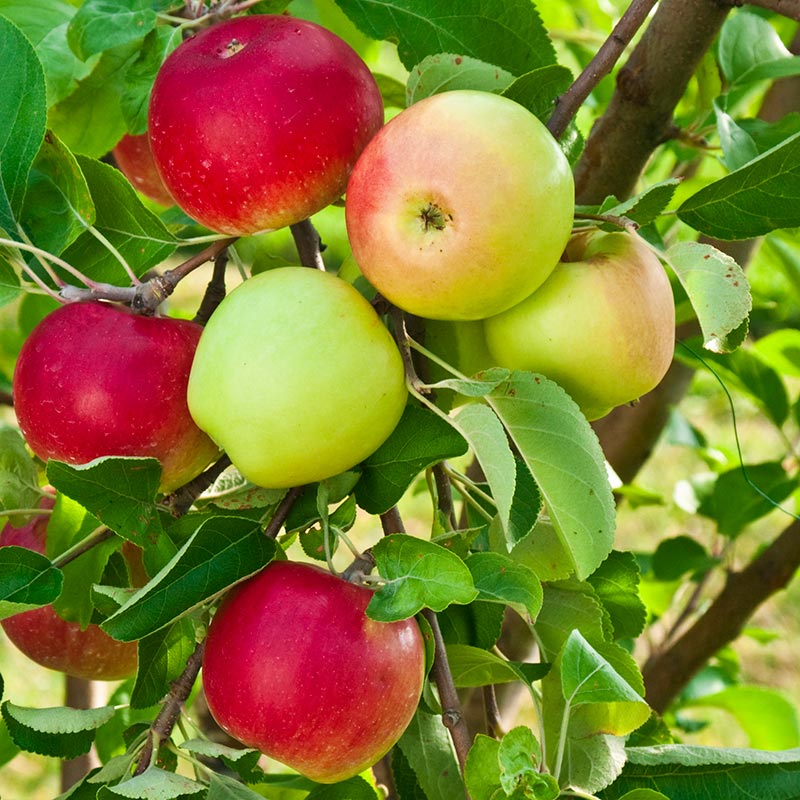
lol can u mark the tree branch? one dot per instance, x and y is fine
(786, 8)
(601, 64)
(309, 245)
(668, 671)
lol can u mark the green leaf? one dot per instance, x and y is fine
(242, 760)
(224, 788)
(420, 440)
(89, 120)
(10, 286)
(677, 555)
(102, 24)
(538, 89)
(646, 206)
(392, 91)
(120, 492)
(738, 147)
(419, 574)
(154, 784)
(718, 291)
(500, 579)
(445, 72)
(751, 50)
(27, 580)
(162, 658)
(746, 372)
(768, 717)
(223, 551)
(352, 789)
(428, 749)
(480, 426)
(519, 755)
(23, 116)
(19, 477)
(781, 351)
(58, 732)
(58, 206)
(472, 667)
(482, 773)
(544, 552)
(755, 199)
(136, 233)
(616, 583)
(678, 770)
(508, 33)
(564, 457)
(45, 23)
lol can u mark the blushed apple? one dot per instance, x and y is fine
(602, 325)
(295, 668)
(135, 161)
(460, 206)
(94, 379)
(296, 377)
(256, 122)
(53, 642)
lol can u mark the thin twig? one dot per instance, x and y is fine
(444, 494)
(309, 245)
(601, 64)
(494, 726)
(215, 291)
(182, 499)
(282, 512)
(162, 726)
(391, 522)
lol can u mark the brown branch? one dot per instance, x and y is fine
(162, 726)
(601, 64)
(215, 290)
(444, 495)
(649, 86)
(79, 694)
(786, 8)
(391, 522)
(452, 718)
(282, 512)
(181, 500)
(668, 671)
(309, 245)
(494, 725)
(6, 398)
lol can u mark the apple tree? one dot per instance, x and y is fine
(398, 399)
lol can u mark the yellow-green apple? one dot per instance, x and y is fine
(295, 668)
(602, 325)
(134, 158)
(460, 206)
(53, 642)
(296, 377)
(256, 122)
(94, 379)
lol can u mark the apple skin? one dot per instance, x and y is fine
(44, 637)
(296, 378)
(135, 161)
(602, 326)
(256, 122)
(295, 668)
(460, 206)
(94, 379)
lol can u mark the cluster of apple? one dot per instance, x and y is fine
(459, 211)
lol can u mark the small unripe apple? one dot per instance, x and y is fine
(94, 379)
(602, 325)
(295, 668)
(53, 642)
(135, 161)
(460, 206)
(256, 122)
(296, 378)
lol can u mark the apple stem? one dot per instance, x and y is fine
(170, 712)
(282, 512)
(215, 290)
(309, 245)
(601, 64)
(621, 222)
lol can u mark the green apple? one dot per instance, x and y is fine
(460, 207)
(602, 325)
(296, 378)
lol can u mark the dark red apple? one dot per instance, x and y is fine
(94, 379)
(295, 668)
(135, 161)
(44, 637)
(256, 122)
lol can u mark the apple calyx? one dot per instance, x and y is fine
(233, 47)
(433, 217)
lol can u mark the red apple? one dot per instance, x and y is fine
(295, 668)
(94, 379)
(135, 160)
(44, 637)
(256, 122)
(460, 207)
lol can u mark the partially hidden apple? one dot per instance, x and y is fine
(296, 377)
(295, 668)
(94, 379)
(53, 642)
(135, 161)
(460, 206)
(256, 122)
(602, 325)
